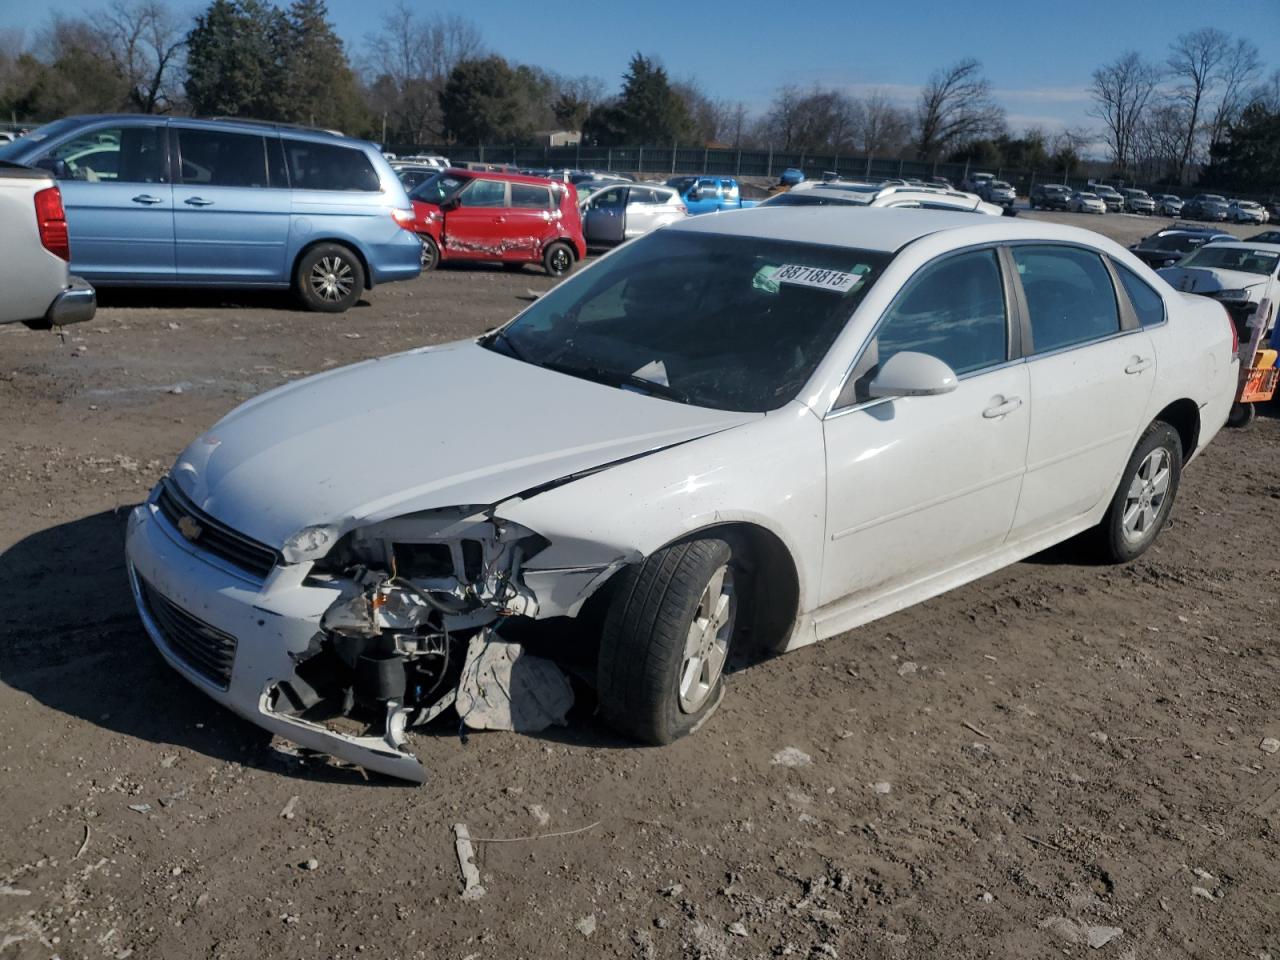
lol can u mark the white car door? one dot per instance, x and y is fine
(1092, 369)
(918, 485)
(641, 211)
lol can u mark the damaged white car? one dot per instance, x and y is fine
(755, 429)
(1239, 275)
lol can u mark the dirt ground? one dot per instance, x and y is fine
(1055, 754)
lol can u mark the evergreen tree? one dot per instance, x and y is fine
(234, 67)
(481, 102)
(319, 85)
(1248, 158)
(650, 111)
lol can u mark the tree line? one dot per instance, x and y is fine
(429, 79)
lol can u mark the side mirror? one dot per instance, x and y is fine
(452, 204)
(911, 374)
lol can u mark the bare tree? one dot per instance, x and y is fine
(955, 107)
(1194, 62)
(1158, 140)
(1267, 93)
(886, 127)
(1240, 68)
(816, 119)
(1121, 91)
(407, 63)
(146, 40)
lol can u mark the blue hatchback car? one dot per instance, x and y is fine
(170, 201)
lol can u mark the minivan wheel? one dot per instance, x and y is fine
(558, 259)
(667, 634)
(329, 278)
(430, 253)
(1145, 495)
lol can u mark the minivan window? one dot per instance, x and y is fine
(329, 166)
(109, 154)
(527, 196)
(1069, 295)
(484, 193)
(218, 158)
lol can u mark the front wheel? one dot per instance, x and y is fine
(667, 635)
(329, 278)
(558, 259)
(1145, 496)
(430, 253)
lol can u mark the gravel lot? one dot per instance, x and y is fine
(1055, 754)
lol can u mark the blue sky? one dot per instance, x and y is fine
(1038, 56)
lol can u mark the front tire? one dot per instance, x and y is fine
(667, 635)
(430, 253)
(329, 278)
(1241, 415)
(1145, 496)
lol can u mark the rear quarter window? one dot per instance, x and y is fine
(329, 166)
(1147, 304)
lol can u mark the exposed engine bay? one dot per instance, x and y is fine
(419, 598)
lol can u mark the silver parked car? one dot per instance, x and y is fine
(1083, 201)
(1138, 201)
(1168, 205)
(627, 210)
(35, 251)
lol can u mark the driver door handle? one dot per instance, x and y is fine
(146, 198)
(198, 202)
(1003, 408)
(1138, 364)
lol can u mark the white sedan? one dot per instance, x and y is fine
(756, 429)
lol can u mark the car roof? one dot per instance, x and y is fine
(507, 177)
(874, 228)
(1245, 245)
(221, 123)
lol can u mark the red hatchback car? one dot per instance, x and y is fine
(504, 217)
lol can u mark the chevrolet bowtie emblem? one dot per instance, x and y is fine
(189, 528)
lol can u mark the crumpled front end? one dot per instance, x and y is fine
(342, 646)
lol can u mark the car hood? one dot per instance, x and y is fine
(441, 426)
(1209, 279)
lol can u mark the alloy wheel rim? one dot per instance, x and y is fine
(428, 254)
(1147, 494)
(559, 261)
(707, 644)
(332, 279)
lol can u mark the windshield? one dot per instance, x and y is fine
(807, 199)
(1212, 198)
(1087, 196)
(22, 145)
(682, 183)
(1176, 241)
(1000, 185)
(732, 323)
(439, 187)
(1261, 262)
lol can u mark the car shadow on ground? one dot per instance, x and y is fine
(200, 298)
(71, 640)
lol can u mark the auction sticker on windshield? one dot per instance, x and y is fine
(835, 280)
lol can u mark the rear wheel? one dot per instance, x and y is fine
(329, 278)
(666, 638)
(1145, 496)
(558, 259)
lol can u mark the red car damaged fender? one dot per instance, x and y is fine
(503, 217)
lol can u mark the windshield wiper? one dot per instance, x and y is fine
(501, 335)
(614, 378)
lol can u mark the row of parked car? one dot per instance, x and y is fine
(1100, 198)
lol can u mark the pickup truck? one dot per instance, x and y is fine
(708, 194)
(39, 289)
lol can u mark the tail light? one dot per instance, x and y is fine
(1235, 336)
(403, 218)
(51, 220)
(682, 208)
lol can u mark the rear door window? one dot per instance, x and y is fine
(123, 154)
(220, 159)
(1069, 296)
(527, 196)
(641, 195)
(329, 166)
(484, 193)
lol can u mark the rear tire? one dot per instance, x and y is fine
(329, 278)
(557, 260)
(1144, 498)
(667, 635)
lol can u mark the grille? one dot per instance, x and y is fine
(212, 535)
(205, 650)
